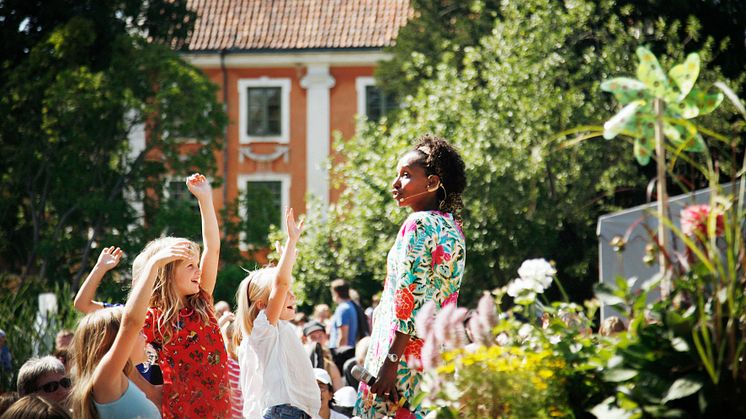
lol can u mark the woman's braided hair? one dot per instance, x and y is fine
(442, 159)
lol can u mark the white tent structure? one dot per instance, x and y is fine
(637, 225)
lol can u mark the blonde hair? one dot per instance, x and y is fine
(165, 298)
(252, 290)
(93, 339)
(228, 330)
(34, 406)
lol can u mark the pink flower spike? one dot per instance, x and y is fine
(694, 221)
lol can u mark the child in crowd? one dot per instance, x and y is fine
(84, 299)
(149, 377)
(277, 379)
(227, 324)
(181, 321)
(324, 381)
(106, 345)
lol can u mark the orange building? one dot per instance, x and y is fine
(291, 73)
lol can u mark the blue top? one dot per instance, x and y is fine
(132, 404)
(5, 359)
(344, 315)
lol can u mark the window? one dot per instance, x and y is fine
(264, 118)
(263, 197)
(263, 201)
(177, 193)
(378, 103)
(264, 106)
(373, 102)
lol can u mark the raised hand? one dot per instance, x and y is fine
(109, 258)
(293, 229)
(199, 186)
(178, 251)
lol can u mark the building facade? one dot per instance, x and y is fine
(291, 73)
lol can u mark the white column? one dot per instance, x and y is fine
(317, 81)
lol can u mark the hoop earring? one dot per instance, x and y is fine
(445, 196)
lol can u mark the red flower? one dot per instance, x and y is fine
(404, 413)
(413, 353)
(694, 221)
(439, 255)
(404, 302)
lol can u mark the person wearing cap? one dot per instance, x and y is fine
(321, 355)
(325, 388)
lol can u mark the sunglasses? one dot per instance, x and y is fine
(52, 386)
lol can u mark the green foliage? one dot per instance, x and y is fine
(528, 193)
(25, 336)
(79, 77)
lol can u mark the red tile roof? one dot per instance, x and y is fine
(296, 24)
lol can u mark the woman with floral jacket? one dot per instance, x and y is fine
(426, 263)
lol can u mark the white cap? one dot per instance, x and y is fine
(322, 375)
(345, 396)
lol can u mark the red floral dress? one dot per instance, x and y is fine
(426, 263)
(194, 366)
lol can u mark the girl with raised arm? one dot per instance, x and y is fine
(108, 342)
(277, 379)
(181, 323)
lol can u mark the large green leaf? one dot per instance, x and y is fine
(624, 120)
(685, 74)
(681, 388)
(643, 149)
(650, 72)
(705, 102)
(626, 89)
(684, 133)
(618, 375)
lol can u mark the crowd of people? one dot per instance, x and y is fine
(169, 351)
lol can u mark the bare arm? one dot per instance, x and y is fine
(84, 299)
(283, 280)
(200, 188)
(385, 385)
(342, 335)
(105, 387)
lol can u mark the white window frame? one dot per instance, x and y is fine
(173, 179)
(284, 85)
(360, 84)
(283, 178)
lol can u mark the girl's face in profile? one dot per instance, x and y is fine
(410, 187)
(288, 310)
(187, 276)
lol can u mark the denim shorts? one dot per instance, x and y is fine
(284, 411)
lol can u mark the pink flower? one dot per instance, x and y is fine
(451, 299)
(439, 255)
(409, 225)
(694, 221)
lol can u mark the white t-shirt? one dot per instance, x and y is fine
(275, 370)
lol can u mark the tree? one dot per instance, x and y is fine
(530, 193)
(450, 27)
(79, 77)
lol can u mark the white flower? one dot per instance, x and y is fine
(535, 276)
(538, 271)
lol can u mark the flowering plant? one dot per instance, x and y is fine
(534, 276)
(695, 218)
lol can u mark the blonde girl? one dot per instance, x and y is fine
(277, 379)
(181, 323)
(108, 342)
(227, 326)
